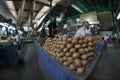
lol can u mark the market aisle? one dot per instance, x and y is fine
(109, 66)
(27, 71)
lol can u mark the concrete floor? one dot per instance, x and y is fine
(108, 67)
(29, 70)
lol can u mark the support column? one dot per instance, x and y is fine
(20, 14)
(117, 26)
(30, 19)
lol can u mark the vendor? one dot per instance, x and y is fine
(84, 30)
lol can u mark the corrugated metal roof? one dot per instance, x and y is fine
(91, 5)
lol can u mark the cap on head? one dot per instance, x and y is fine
(86, 24)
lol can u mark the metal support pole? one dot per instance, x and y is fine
(51, 15)
(30, 19)
(20, 13)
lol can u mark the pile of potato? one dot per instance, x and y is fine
(75, 53)
(97, 39)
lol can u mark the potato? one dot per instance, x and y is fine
(81, 37)
(62, 46)
(90, 59)
(69, 46)
(62, 54)
(61, 60)
(66, 63)
(76, 55)
(64, 58)
(54, 51)
(54, 55)
(80, 70)
(81, 41)
(86, 50)
(64, 39)
(74, 41)
(69, 40)
(65, 50)
(77, 62)
(90, 48)
(84, 62)
(72, 66)
(60, 39)
(68, 54)
(70, 59)
(77, 38)
(90, 39)
(85, 40)
(90, 44)
(58, 50)
(84, 45)
(58, 46)
(76, 59)
(64, 42)
(72, 50)
(84, 56)
(90, 54)
(81, 51)
(59, 55)
(60, 42)
(77, 46)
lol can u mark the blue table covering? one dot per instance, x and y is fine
(52, 70)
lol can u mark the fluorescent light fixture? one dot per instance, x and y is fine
(11, 7)
(42, 12)
(75, 7)
(14, 13)
(58, 19)
(36, 25)
(56, 1)
(41, 19)
(78, 19)
(118, 17)
(39, 16)
(44, 9)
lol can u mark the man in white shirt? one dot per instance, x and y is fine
(106, 37)
(84, 30)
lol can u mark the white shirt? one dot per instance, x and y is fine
(83, 32)
(106, 38)
(17, 38)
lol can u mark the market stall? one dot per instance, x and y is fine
(8, 45)
(7, 54)
(56, 71)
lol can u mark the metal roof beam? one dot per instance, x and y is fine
(96, 3)
(26, 10)
(43, 2)
(77, 8)
(84, 3)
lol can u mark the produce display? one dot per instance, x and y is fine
(97, 39)
(41, 40)
(74, 53)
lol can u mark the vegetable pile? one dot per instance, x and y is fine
(75, 53)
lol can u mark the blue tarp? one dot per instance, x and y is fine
(52, 70)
